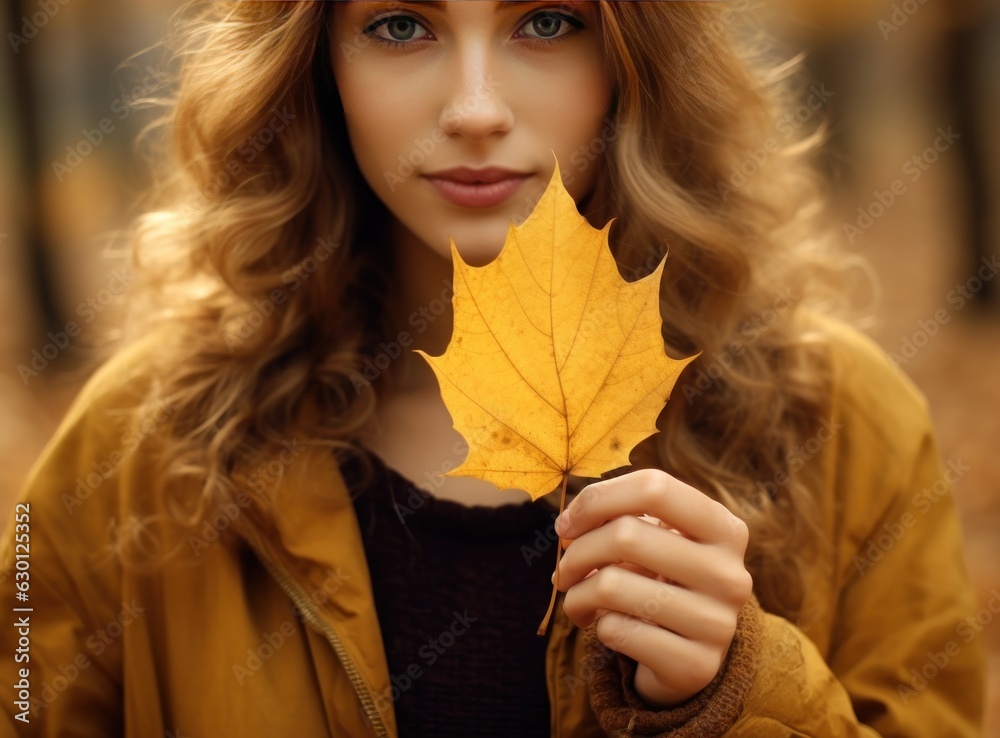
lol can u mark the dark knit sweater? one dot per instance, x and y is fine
(460, 591)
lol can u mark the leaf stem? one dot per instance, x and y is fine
(555, 587)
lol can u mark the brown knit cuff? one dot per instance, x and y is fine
(711, 712)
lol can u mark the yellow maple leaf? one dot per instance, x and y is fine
(556, 364)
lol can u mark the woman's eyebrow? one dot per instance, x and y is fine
(437, 4)
(442, 4)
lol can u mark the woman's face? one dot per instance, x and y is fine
(429, 87)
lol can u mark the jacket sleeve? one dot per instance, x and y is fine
(905, 655)
(621, 711)
(60, 666)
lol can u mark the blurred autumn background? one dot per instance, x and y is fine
(911, 89)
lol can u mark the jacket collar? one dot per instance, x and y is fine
(302, 526)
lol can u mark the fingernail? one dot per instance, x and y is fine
(553, 580)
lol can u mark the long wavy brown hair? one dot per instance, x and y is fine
(242, 212)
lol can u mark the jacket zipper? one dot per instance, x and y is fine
(308, 611)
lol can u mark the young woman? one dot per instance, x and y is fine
(242, 527)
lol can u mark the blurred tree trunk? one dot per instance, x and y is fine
(28, 147)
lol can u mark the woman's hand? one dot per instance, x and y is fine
(667, 591)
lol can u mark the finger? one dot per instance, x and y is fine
(661, 524)
(677, 662)
(656, 493)
(686, 613)
(641, 570)
(658, 551)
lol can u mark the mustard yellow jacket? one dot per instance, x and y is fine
(255, 631)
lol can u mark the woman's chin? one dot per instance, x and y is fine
(477, 247)
(479, 256)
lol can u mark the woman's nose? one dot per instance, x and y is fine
(476, 107)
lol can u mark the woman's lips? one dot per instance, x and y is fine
(482, 195)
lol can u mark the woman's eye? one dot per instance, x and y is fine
(397, 29)
(402, 30)
(548, 25)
